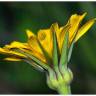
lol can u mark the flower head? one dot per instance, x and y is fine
(38, 45)
(51, 48)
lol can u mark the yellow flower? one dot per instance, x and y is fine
(38, 45)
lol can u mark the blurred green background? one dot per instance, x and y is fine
(21, 78)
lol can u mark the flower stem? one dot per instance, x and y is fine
(64, 89)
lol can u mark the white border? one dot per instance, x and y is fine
(51, 0)
(47, 95)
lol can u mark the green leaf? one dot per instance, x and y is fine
(64, 53)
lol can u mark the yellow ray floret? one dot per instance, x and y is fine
(74, 21)
(12, 59)
(16, 44)
(29, 33)
(84, 28)
(10, 52)
(34, 46)
(46, 40)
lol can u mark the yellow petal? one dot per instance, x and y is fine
(45, 38)
(57, 30)
(9, 52)
(16, 44)
(12, 59)
(2, 50)
(35, 48)
(74, 21)
(7, 49)
(84, 28)
(29, 33)
(62, 35)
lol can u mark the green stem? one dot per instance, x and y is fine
(64, 89)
